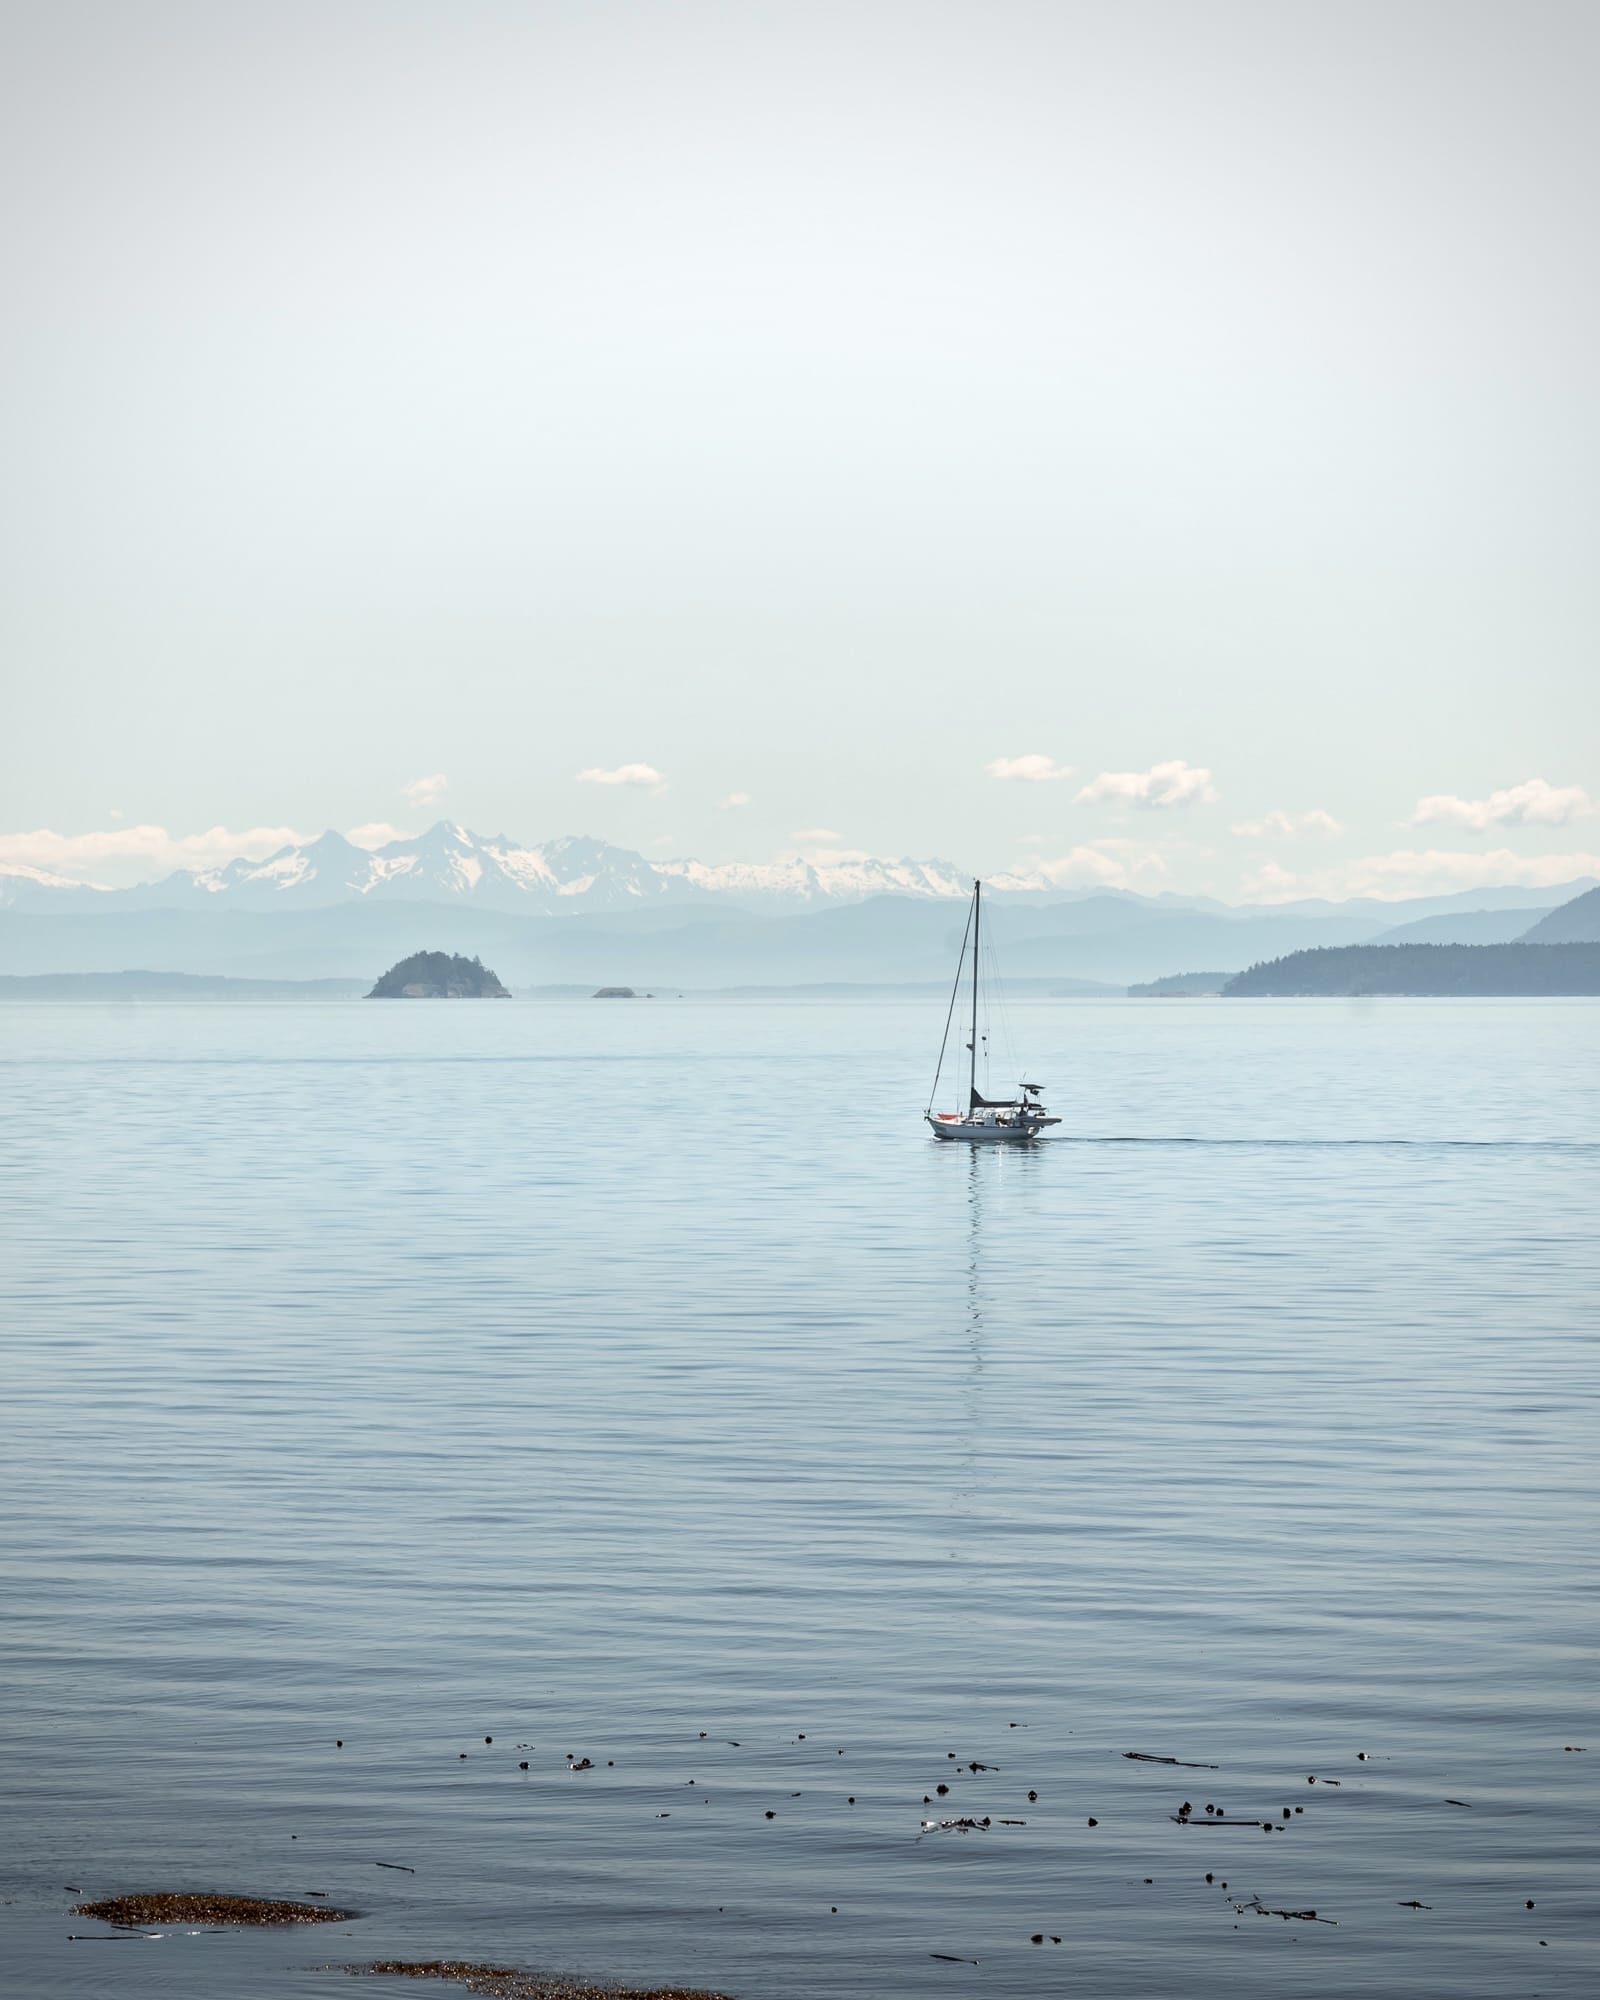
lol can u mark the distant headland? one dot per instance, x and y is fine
(438, 975)
(1488, 970)
(1558, 954)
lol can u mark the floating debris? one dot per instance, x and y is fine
(166, 1907)
(507, 1982)
(1149, 1757)
(399, 1866)
(950, 1958)
(1257, 1908)
(1222, 1820)
(1413, 1905)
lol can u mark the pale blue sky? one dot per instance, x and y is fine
(812, 402)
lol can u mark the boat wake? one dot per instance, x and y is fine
(1381, 1145)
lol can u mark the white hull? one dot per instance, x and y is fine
(988, 1131)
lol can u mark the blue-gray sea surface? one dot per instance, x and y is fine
(644, 1384)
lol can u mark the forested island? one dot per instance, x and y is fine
(1426, 970)
(438, 975)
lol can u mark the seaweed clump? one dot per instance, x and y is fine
(168, 1908)
(505, 1982)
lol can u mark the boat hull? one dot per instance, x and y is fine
(988, 1133)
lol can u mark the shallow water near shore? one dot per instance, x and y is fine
(645, 1383)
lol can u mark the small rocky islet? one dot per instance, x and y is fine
(439, 975)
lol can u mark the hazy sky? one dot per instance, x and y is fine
(812, 405)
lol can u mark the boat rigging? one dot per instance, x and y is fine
(984, 1119)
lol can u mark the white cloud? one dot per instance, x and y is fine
(732, 801)
(825, 834)
(1414, 872)
(623, 774)
(1033, 769)
(1532, 803)
(1114, 864)
(1289, 826)
(1171, 784)
(426, 791)
(137, 853)
(377, 833)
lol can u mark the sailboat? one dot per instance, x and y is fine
(984, 1119)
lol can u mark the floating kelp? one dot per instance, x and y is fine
(506, 1982)
(182, 1908)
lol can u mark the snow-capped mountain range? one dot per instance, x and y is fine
(451, 864)
(578, 875)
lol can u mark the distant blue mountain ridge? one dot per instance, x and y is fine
(702, 938)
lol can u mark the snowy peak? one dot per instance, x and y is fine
(330, 862)
(24, 887)
(798, 883)
(580, 870)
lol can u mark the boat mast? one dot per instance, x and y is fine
(977, 922)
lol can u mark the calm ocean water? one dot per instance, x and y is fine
(644, 1383)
